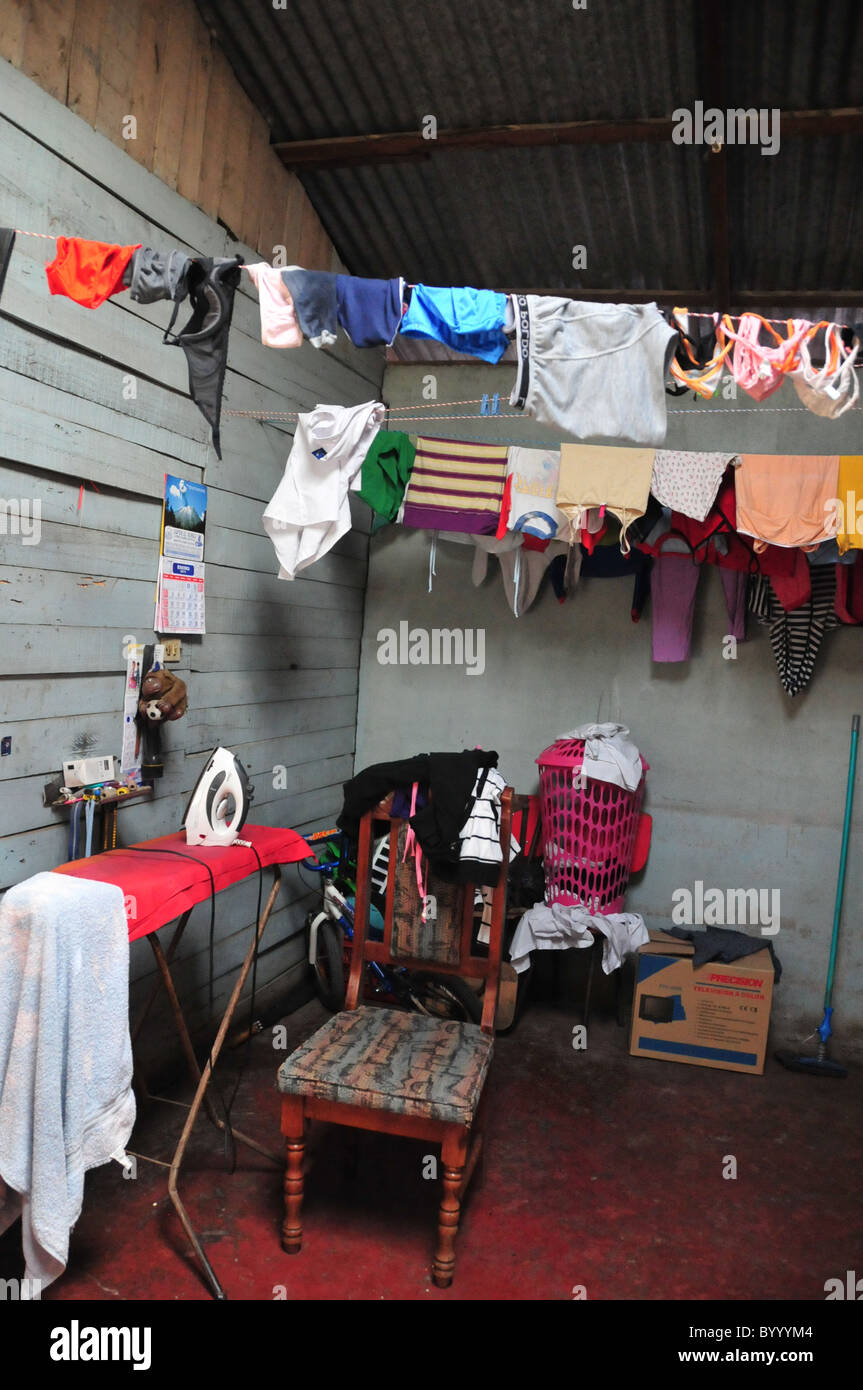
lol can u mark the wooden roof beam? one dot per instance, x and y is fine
(394, 147)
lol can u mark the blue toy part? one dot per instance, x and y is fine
(376, 921)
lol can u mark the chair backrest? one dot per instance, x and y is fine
(444, 941)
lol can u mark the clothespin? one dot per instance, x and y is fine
(483, 410)
(495, 404)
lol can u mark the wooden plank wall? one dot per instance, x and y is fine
(194, 125)
(275, 678)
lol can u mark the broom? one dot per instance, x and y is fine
(822, 1064)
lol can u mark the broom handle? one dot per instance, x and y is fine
(843, 858)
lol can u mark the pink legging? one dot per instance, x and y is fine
(673, 582)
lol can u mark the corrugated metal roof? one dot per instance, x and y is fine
(342, 67)
(510, 217)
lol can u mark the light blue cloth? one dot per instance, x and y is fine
(466, 320)
(66, 1100)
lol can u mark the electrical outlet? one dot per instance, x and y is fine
(173, 649)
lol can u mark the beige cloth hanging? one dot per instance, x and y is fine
(593, 475)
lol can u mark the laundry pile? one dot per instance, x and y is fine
(578, 856)
(784, 531)
(453, 802)
(591, 370)
(564, 926)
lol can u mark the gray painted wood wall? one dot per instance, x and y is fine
(275, 678)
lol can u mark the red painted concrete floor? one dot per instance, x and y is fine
(603, 1170)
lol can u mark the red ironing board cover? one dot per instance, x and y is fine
(160, 888)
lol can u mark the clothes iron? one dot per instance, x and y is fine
(220, 801)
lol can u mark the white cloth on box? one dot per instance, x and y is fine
(565, 925)
(66, 1099)
(609, 755)
(310, 510)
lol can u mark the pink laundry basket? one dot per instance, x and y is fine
(589, 833)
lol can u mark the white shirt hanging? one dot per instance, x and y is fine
(310, 510)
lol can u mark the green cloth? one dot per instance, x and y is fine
(385, 473)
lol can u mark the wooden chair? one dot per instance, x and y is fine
(394, 1071)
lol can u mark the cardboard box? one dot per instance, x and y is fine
(715, 1016)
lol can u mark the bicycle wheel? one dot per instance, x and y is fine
(445, 996)
(329, 966)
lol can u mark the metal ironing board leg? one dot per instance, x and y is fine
(201, 1093)
(167, 983)
(138, 1078)
(169, 956)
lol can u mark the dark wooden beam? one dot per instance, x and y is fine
(397, 146)
(844, 120)
(798, 299)
(410, 144)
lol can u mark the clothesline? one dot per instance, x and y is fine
(782, 323)
(292, 414)
(51, 236)
(564, 381)
(396, 411)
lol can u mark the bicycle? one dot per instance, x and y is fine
(330, 935)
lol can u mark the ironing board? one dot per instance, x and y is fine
(159, 889)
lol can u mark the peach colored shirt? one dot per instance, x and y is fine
(784, 499)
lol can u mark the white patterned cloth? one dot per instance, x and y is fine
(565, 925)
(534, 474)
(687, 482)
(66, 1100)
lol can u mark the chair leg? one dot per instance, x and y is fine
(293, 1128)
(454, 1157)
(478, 1138)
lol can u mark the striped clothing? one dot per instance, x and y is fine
(380, 869)
(796, 636)
(480, 855)
(456, 486)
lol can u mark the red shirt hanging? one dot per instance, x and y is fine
(88, 271)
